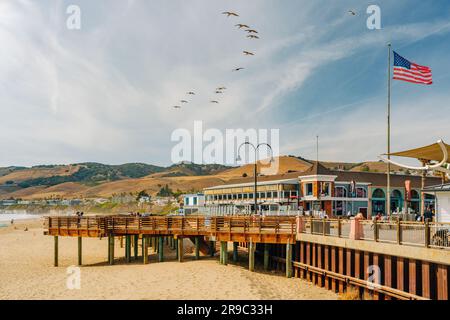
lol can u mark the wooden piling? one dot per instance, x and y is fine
(266, 256)
(426, 277)
(333, 268)
(136, 246)
(442, 282)
(401, 273)
(319, 265)
(176, 248)
(128, 248)
(160, 249)
(235, 251)
(111, 249)
(145, 249)
(180, 249)
(341, 268)
(251, 256)
(224, 249)
(326, 258)
(55, 263)
(313, 263)
(80, 260)
(387, 273)
(212, 247)
(197, 248)
(288, 260)
(412, 276)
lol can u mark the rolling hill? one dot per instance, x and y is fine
(88, 180)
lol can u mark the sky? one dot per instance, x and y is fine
(105, 92)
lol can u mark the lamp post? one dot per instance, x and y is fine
(255, 167)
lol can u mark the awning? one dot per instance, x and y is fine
(431, 152)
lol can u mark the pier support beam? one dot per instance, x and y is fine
(111, 249)
(224, 252)
(197, 248)
(136, 246)
(266, 256)
(175, 242)
(251, 256)
(80, 251)
(160, 249)
(212, 248)
(235, 251)
(180, 249)
(144, 249)
(55, 263)
(128, 248)
(288, 260)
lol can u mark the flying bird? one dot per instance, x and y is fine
(183, 101)
(176, 107)
(251, 36)
(251, 31)
(191, 93)
(248, 53)
(229, 14)
(218, 91)
(214, 101)
(221, 89)
(240, 25)
(352, 12)
(238, 69)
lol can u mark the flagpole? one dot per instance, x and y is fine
(388, 173)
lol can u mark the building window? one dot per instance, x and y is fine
(187, 201)
(378, 194)
(269, 194)
(361, 192)
(340, 192)
(309, 189)
(275, 194)
(240, 196)
(195, 201)
(250, 195)
(245, 195)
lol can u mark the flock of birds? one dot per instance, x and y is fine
(252, 34)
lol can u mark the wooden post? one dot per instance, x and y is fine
(427, 233)
(313, 274)
(176, 247)
(111, 249)
(442, 282)
(80, 260)
(212, 247)
(326, 256)
(302, 259)
(366, 259)
(377, 279)
(412, 276)
(136, 246)
(266, 256)
(401, 273)
(333, 268)
(319, 265)
(145, 249)
(56, 251)
(399, 232)
(235, 251)
(308, 260)
(288, 260)
(387, 274)
(197, 248)
(180, 249)
(224, 248)
(426, 290)
(251, 256)
(128, 248)
(341, 268)
(160, 249)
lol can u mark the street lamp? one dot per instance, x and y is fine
(256, 164)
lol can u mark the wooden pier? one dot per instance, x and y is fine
(392, 260)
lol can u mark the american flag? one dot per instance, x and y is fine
(408, 71)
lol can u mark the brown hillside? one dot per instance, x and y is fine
(38, 172)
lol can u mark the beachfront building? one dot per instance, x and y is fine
(442, 195)
(193, 203)
(318, 189)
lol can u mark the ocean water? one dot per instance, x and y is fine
(16, 215)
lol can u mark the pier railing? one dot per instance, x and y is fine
(429, 234)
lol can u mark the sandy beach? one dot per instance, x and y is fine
(27, 272)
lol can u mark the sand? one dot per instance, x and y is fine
(27, 272)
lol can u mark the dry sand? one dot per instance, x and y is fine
(27, 272)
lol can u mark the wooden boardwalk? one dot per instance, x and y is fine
(277, 230)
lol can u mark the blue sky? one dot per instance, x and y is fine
(104, 93)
